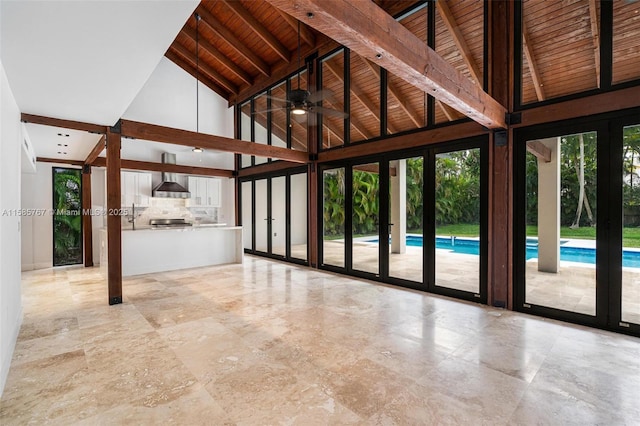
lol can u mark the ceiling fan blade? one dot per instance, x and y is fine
(273, 98)
(328, 112)
(320, 95)
(269, 110)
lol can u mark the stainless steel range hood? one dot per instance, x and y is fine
(169, 188)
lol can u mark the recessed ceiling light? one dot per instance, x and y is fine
(65, 135)
(197, 149)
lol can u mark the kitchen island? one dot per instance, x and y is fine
(147, 250)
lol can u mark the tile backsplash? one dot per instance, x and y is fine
(171, 208)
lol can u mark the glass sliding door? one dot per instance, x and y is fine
(406, 201)
(630, 292)
(262, 216)
(560, 216)
(298, 217)
(365, 198)
(247, 215)
(333, 217)
(278, 217)
(458, 214)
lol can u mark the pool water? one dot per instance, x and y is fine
(630, 259)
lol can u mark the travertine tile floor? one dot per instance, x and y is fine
(272, 343)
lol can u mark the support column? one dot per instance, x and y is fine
(87, 218)
(399, 207)
(500, 27)
(114, 221)
(549, 209)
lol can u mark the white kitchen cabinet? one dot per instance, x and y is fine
(205, 192)
(135, 189)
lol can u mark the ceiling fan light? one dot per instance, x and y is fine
(298, 111)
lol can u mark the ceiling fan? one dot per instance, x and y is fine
(300, 101)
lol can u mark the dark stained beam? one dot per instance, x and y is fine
(219, 56)
(373, 34)
(540, 150)
(583, 107)
(177, 59)
(273, 166)
(96, 151)
(167, 168)
(65, 124)
(60, 161)
(152, 132)
(533, 66)
(114, 224)
(87, 217)
(258, 29)
(217, 27)
(203, 68)
(305, 33)
(395, 143)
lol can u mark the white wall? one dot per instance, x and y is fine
(168, 99)
(10, 286)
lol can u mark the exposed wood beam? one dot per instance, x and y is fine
(167, 168)
(87, 217)
(358, 94)
(65, 124)
(373, 34)
(219, 56)
(202, 67)
(595, 33)
(533, 67)
(152, 132)
(177, 59)
(60, 161)
(259, 29)
(395, 92)
(273, 166)
(540, 150)
(216, 26)
(114, 220)
(450, 22)
(95, 152)
(305, 33)
(406, 141)
(583, 107)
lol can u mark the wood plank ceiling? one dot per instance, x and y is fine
(245, 46)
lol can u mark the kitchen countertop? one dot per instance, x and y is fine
(176, 228)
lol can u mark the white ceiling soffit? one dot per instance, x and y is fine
(85, 60)
(59, 143)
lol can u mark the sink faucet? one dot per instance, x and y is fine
(132, 218)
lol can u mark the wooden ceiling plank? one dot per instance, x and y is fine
(203, 67)
(305, 33)
(447, 110)
(355, 123)
(224, 61)
(152, 132)
(395, 92)
(540, 150)
(258, 28)
(65, 124)
(454, 29)
(595, 33)
(372, 33)
(533, 67)
(167, 168)
(96, 150)
(216, 26)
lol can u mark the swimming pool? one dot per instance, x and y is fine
(630, 259)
